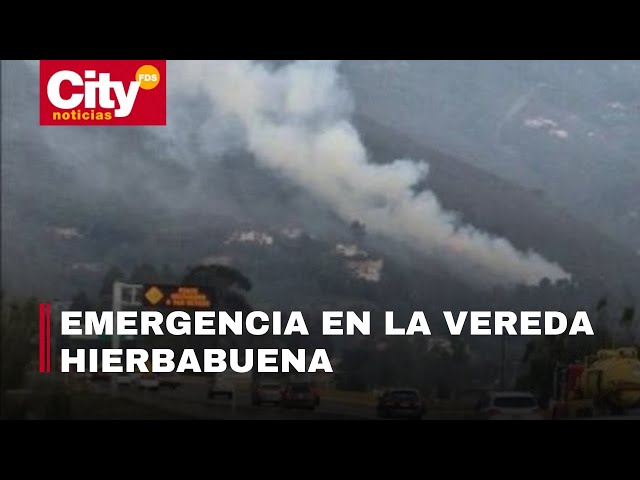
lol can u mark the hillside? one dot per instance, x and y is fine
(521, 215)
(567, 129)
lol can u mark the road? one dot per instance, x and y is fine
(192, 399)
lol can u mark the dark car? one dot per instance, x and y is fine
(299, 395)
(169, 381)
(401, 403)
(267, 393)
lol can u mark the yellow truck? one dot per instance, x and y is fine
(607, 383)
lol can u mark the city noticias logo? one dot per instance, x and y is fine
(103, 92)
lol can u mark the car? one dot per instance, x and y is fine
(169, 381)
(226, 384)
(220, 387)
(148, 381)
(124, 379)
(401, 403)
(316, 393)
(298, 395)
(509, 406)
(267, 393)
(313, 386)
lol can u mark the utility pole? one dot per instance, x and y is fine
(124, 296)
(116, 305)
(503, 355)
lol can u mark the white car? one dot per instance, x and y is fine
(148, 381)
(509, 406)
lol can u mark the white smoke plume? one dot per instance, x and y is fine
(295, 120)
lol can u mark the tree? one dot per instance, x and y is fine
(18, 348)
(144, 274)
(220, 277)
(627, 321)
(543, 355)
(353, 375)
(114, 274)
(229, 286)
(628, 315)
(459, 351)
(80, 302)
(167, 275)
(236, 302)
(602, 304)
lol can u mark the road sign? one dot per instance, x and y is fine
(177, 296)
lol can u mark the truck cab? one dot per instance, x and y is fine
(607, 383)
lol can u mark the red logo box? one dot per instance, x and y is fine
(103, 92)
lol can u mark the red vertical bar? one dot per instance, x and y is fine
(41, 338)
(48, 338)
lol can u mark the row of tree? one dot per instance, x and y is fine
(363, 365)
